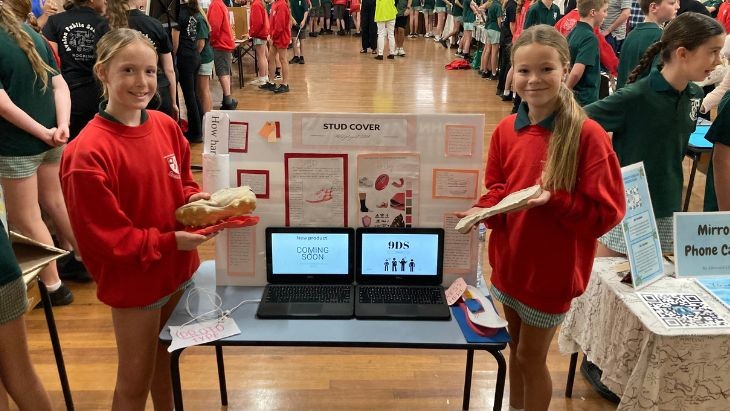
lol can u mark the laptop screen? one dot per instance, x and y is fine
(308, 253)
(402, 253)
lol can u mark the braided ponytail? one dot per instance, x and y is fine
(23, 12)
(14, 27)
(646, 60)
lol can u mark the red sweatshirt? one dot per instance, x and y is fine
(280, 19)
(723, 16)
(259, 21)
(221, 36)
(122, 186)
(543, 256)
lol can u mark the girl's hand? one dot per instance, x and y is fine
(47, 136)
(199, 196)
(542, 199)
(175, 112)
(49, 8)
(60, 137)
(189, 241)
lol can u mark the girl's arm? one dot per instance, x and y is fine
(169, 69)
(721, 165)
(175, 40)
(575, 74)
(14, 115)
(200, 45)
(610, 112)
(598, 196)
(62, 98)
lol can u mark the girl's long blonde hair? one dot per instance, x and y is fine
(10, 23)
(561, 167)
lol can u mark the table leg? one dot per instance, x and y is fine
(695, 160)
(175, 374)
(467, 379)
(571, 375)
(48, 311)
(221, 374)
(501, 376)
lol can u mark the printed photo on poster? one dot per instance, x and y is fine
(459, 140)
(315, 189)
(238, 137)
(387, 189)
(242, 251)
(258, 180)
(450, 183)
(459, 249)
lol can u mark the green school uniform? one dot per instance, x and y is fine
(651, 122)
(18, 80)
(206, 55)
(493, 13)
(298, 8)
(584, 50)
(538, 13)
(635, 44)
(467, 12)
(719, 132)
(456, 10)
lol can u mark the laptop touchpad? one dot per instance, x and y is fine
(305, 309)
(402, 309)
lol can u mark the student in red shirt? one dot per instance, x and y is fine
(340, 6)
(123, 178)
(542, 254)
(280, 32)
(221, 40)
(723, 15)
(259, 31)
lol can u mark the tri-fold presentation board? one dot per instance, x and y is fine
(344, 169)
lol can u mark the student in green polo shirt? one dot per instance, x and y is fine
(645, 34)
(585, 73)
(718, 199)
(542, 12)
(652, 119)
(490, 54)
(456, 12)
(299, 15)
(468, 18)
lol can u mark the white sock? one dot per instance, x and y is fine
(53, 287)
(511, 408)
(507, 92)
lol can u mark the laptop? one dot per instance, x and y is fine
(399, 273)
(310, 272)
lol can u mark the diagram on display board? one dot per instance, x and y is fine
(336, 169)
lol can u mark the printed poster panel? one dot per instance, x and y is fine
(241, 251)
(315, 189)
(449, 183)
(238, 137)
(387, 189)
(459, 140)
(701, 246)
(258, 180)
(347, 131)
(640, 230)
(459, 249)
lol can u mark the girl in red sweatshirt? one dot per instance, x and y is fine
(122, 179)
(259, 31)
(542, 254)
(280, 32)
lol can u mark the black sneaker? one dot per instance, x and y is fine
(493, 77)
(443, 43)
(301, 60)
(312, 34)
(294, 60)
(230, 106)
(592, 373)
(322, 31)
(329, 31)
(71, 269)
(357, 34)
(282, 88)
(485, 74)
(62, 296)
(269, 86)
(379, 57)
(391, 56)
(507, 97)
(340, 32)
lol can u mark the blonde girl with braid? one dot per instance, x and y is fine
(34, 119)
(542, 254)
(127, 13)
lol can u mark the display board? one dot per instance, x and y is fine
(336, 169)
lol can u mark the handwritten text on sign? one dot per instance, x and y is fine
(201, 333)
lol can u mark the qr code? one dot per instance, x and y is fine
(682, 310)
(633, 199)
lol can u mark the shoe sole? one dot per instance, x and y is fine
(223, 204)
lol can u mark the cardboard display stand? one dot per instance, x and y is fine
(337, 169)
(32, 257)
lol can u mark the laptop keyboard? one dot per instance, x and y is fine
(308, 294)
(400, 295)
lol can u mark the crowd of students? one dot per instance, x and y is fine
(103, 65)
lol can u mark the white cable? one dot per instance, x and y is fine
(215, 300)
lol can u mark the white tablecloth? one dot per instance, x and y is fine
(648, 365)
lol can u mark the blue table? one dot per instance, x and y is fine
(697, 146)
(322, 333)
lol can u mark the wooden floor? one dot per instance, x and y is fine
(335, 78)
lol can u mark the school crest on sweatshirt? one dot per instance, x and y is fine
(172, 163)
